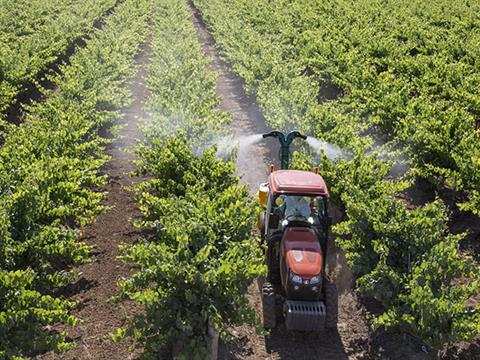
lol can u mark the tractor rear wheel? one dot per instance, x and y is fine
(273, 260)
(268, 304)
(331, 302)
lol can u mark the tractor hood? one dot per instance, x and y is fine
(303, 255)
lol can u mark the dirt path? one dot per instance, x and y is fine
(351, 340)
(98, 280)
(254, 159)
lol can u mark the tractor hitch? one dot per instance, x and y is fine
(285, 142)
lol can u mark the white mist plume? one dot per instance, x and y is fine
(333, 152)
(226, 145)
(400, 164)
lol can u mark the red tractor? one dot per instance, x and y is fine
(294, 225)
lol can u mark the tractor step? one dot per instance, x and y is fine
(305, 315)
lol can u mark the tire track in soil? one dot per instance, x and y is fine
(352, 338)
(98, 280)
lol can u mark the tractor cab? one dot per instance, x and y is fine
(294, 198)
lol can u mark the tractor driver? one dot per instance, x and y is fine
(294, 207)
(297, 207)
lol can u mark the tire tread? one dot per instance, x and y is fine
(331, 302)
(268, 305)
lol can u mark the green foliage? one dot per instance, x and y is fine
(49, 170)
(402, 71)
(201, 257)
(436, 300)
(34, 33)
(201, 254)
(182, 87)
(358, 73)
(405, 259)
(175, 169)
(24, 325)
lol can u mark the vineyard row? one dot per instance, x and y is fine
(48, 172)
(33, 34)
(193, 271)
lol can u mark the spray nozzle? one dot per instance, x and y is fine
(285, 142)
(275, 134)
(295, 134)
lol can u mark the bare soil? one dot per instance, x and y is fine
(98, 280)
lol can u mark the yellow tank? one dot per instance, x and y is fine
(263, 194)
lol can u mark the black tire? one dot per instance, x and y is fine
(268, 304)
(331, 302)
(273, 261)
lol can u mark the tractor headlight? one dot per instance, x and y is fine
(295, 278)
(315, 280)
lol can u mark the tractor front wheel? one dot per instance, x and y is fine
(331, 302)
(268, 304)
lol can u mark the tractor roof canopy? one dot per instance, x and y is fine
(297, 182)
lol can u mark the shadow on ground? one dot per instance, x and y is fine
(305, 345)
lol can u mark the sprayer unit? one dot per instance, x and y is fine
(294, 226)
(285, 142)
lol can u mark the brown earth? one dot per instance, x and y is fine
(98, 280)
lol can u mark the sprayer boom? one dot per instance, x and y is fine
(285, 142)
